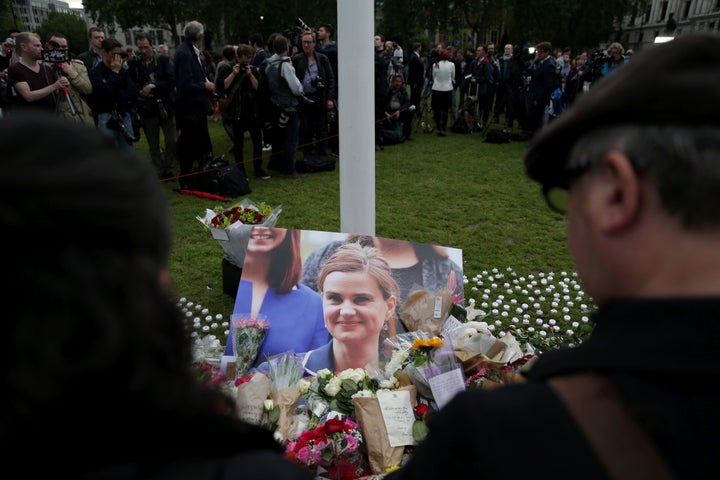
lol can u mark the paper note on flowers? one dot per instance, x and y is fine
(446, 385)
(397, 412)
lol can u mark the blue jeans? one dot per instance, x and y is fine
(122, 143)
(285, 137)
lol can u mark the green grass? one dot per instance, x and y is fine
(455, 191)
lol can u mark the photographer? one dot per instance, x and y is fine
(155, 102)
(239, 81)
(315, 72)
(113, 95)
(33, 84)
(73, 106)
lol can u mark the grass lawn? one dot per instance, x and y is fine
(455, 191)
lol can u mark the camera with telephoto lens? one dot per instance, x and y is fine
(115, 123)
(300, 23)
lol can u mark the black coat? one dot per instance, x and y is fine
(661, 356)
(325, 71)
(191, 101)
(416, 71)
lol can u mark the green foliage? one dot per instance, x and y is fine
(134, 13)
(70, 25)
(9, 18)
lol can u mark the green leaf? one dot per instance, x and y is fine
(419, 430)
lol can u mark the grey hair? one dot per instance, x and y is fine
(193, 30)
(682, 163)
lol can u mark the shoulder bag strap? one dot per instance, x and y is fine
(622, 446)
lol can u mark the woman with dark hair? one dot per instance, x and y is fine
(270, 285)
(93, 344)
(443, 76)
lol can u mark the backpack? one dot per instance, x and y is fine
(460, 125)
(313, 164)
(233, 181)
(498, 136)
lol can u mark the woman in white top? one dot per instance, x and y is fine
(443, 74)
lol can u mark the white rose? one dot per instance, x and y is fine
(362, 393)
(304, 386)
(324, 373)
(268, 404)
(357, 375)
(333, 386)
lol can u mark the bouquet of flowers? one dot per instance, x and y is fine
(231, 226)
(330, 450)
(336, 392)
(248, 335)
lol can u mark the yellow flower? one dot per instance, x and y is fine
(392, 469)
(429, 343)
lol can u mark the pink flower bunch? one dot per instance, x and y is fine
(333, 445)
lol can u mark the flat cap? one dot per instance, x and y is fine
(677, 82)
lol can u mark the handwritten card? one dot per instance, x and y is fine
(397, 412)
(446, 385)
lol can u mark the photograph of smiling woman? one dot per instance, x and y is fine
(359, 296)
(270, 285)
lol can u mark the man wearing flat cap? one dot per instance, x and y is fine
(634, 165)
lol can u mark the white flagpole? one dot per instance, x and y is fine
(356, 99)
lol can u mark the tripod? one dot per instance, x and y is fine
(64, 91)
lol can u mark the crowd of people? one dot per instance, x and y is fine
(283, 92)
(96, 347)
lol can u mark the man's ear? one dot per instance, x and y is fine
(616, 193)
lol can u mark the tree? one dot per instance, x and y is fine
(70, 25)
(569, 23)
(137, 13)
(9, 18)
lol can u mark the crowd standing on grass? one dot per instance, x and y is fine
(154, 93)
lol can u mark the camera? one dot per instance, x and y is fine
(317, 82)
(115, 123)
(300, 23)
(162, 112)
(54, 53)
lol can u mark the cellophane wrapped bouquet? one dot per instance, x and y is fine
(231, 226)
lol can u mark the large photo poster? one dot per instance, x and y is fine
(333, 298)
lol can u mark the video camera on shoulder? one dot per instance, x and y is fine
(54, 53)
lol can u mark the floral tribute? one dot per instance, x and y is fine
(246, 215)
(336, 392)
(248, 335)
(231, 226)
(330, 450)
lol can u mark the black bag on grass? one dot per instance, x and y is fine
(497, 136)
(313, 164)
(233, 182)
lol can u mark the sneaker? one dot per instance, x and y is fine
(262, 175)
(267, 147)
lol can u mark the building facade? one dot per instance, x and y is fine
(670, 18)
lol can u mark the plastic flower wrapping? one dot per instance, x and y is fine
(231, 226)
(248, 335)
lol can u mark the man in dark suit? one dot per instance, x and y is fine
(416, 74)
(544, 80)
(193, 91)
(93, 56)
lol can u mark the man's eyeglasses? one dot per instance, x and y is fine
(307, 42)
(557, 194)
